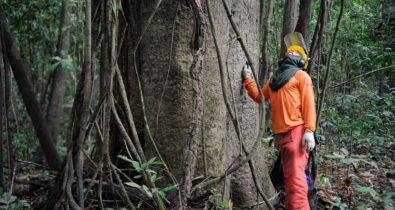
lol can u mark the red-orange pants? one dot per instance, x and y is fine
(294, 157)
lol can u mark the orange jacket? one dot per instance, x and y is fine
(292, 105)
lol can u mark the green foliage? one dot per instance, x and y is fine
(21, 141)
(363, 40)
(220, 203)
(364, 118)
(363, 123)
(368, 190)
(388, 199)
(34, 26)
(65, 63)
(324, 181)
(339, 204)
(20, 204)
(139, 167)
(13, 202)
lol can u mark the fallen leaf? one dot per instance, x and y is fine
(344, 151)
(369, 147)
(347, 181)
(374, 164)
(355, 166)
(366, 174)
(392, 181)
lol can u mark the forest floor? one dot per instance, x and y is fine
(364, 179)
(359, 178)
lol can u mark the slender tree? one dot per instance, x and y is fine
(303, 23)
(265, 57)
(58, 84)
(26, 89)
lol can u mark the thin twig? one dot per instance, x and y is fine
(11, 187)
(391, 68)
(141, 159)
(123, 190)
(243, 47)
(146, 25)
(35, 164)
(168, 70)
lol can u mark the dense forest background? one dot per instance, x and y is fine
(121, 104)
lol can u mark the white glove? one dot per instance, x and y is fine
(247, 72)
(308, 139)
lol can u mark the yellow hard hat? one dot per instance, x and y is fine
(301, 51)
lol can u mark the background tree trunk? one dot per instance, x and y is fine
(303, 25)
(265, 56)
(290, 15)
(29, 97)
(58, 87)
(2, 95)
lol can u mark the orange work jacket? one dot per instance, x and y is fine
(292, 105)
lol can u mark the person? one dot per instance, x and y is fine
(290, 91)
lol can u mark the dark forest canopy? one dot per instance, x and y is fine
(121, 104)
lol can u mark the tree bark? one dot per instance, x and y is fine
(28, 96)
(2, 95)
(220, 143)
(303, 25)
(58, 87)
(195, 130)
(265, 57)
(82, 105)
(289, 20)
(243, 182)
(318, 35)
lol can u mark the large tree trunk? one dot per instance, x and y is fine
(58, 87)
(29, 97)
(242, 186)
(176, 106)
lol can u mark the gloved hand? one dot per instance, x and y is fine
(308, 138)
(247, 72)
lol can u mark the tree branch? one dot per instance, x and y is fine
(391, 68)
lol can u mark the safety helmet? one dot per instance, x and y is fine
(294, 42)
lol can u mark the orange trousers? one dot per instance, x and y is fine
(294, 157)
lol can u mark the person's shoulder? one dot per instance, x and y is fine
(300, 74)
